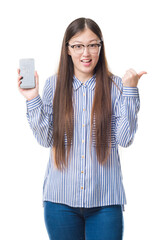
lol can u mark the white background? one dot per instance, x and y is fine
(133, 35)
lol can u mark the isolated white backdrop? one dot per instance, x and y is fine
(133, 35)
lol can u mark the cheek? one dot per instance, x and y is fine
(96, 59)
(74, 60)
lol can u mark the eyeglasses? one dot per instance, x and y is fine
(79, 48)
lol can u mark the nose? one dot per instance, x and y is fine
(86, 51)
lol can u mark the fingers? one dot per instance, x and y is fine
(134, 73)
(130, 74)
(141, 73)
(19, 78)
(131, 78)
(19, 81)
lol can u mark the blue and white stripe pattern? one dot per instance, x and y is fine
(85, 183)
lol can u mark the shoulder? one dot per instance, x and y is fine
(51, 81)
(117, 81)
(116, 90)
(117, 86)
(50, 84)
(49, 89)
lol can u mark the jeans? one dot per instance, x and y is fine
(98, 223)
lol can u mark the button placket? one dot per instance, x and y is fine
(83, 137)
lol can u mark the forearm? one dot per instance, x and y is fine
(40, 121)
(126, 117)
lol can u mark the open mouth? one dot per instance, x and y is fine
(86, 60)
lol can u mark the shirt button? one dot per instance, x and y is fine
(84, 94)
(82, 141)
(82, 171)
(83, 125)
(81, 187)
(83, 109)
(82, 156)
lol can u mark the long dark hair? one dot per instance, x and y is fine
(63, 114)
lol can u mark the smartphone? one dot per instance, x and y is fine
(27, 71)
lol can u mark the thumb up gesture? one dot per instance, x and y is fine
(131, 78)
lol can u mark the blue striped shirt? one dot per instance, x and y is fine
(85, 183)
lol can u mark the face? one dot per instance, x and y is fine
(85, 61)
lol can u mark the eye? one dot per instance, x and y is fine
(94, 45)
(78, 46)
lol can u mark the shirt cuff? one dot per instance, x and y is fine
(130, 92)
(34, 103)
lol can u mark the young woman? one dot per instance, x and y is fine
(84, 114)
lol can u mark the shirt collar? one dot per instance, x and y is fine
(90, 83)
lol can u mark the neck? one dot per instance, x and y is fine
(83, 77)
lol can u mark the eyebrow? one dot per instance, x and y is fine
(88, 42)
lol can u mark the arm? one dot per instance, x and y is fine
(126, 108)
(39, 111)
(40, 116)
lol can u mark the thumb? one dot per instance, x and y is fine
(141, 73)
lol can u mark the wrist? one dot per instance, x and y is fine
(34, 103)
(32, 97)
(129, 85)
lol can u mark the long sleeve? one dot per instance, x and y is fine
(126, 109)
(40, 116)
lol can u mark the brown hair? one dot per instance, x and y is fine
(63, 114)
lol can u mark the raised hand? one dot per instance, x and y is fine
(29, 94)
(131, 78)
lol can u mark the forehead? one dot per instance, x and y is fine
(85, 36)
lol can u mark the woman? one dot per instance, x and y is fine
(84, 114)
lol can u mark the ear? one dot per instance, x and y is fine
(69, 53)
